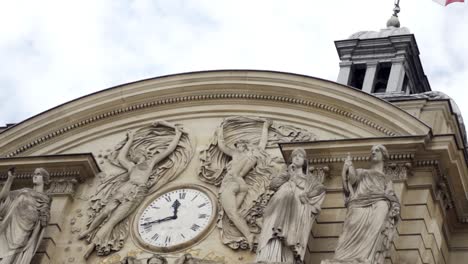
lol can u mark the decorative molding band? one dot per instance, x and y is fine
(60, 174)
(214, 96)
(358, 158)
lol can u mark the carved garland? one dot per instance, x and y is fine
(173, 100)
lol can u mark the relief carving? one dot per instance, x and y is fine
(443, 193)
(155, 259)
(148, 158)
(398, 171)
(187, 258)
(373, 211)
(62, 186)
(237, 161)
(24, 215)
(292, 210)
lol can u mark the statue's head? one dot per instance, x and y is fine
(242, 145)
(41, 176)
(379, 153)
(157, 259)
(299, 159)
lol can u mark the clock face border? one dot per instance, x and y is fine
(195, 240)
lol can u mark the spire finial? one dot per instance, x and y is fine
(393, 21)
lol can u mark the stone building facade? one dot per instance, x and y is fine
(104, 203)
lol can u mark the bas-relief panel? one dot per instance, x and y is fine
(202, 133)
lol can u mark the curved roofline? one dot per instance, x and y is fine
(202, 72)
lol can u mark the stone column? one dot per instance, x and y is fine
(345, 72)
(397, 75)
(369, 78)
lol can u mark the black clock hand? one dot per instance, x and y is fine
(176, 205)
(159, 220)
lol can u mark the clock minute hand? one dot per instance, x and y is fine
(160, 220)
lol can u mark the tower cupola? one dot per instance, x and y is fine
(386, 61)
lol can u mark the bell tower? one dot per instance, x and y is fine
(382, 62)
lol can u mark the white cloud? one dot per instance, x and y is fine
(55, 51)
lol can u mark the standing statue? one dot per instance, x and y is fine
(24, 215)
(150, 157)
(233, 187)
(290, 213)
(373, 212)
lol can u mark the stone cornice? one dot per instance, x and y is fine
(66, 171)
(216, 96)
(440, 153)
(265, 88)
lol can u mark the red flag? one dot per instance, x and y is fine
(447, 2)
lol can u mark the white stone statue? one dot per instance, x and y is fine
(236, 160)
(373, 212)
(24, 215)
(150, 157)
(233, 187)
(290, 213)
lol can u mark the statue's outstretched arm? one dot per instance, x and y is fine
(122, 157)
(6, 188)
(264, 139)
(172, 146)
(222, 145)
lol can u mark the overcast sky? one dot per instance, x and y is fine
(55, 51)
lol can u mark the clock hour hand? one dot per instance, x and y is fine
(176, 205)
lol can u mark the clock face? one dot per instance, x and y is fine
(175, 218)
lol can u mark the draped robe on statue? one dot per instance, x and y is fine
(288, 221)
(370, 221)
(23, 217)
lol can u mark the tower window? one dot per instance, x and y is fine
(383, 73)
(357, 76)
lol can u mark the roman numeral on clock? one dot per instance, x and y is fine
(155, 237)
(202, 216)
(201, 205)
(182, 195)
(195, 227)
(147, 228)
(168, 198)
(168, 240)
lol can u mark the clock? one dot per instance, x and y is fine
(175, 218)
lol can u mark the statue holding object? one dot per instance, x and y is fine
(373, 211)
(24, 215)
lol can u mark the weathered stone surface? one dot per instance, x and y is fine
(372, 212)
(24, 215)
(291, 212)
